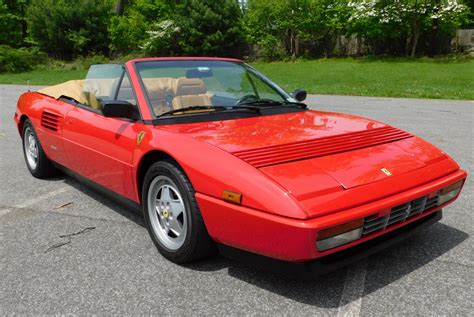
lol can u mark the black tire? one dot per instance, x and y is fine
(44, 167)
(197, 243)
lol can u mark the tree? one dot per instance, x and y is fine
(13, 26)
(397, 27)
(128, 32)
(120, 6)
(197, 27)
(67, 28)
(210, 27)
(282, 27)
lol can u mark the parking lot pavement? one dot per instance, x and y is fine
(68, 250)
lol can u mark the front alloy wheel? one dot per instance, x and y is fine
(169, 217)
(172, 215)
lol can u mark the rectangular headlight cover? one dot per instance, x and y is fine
(340, 239)
(448, 196)
(450, 192)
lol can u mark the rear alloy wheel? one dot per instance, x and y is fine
(36, 161)
(172, 215)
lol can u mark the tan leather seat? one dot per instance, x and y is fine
(160, 92)
(190, 92)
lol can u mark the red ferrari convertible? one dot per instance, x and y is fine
(216, 154)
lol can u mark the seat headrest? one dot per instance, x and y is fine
(190, 86)
(159, 87)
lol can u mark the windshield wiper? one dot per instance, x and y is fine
(273, 103)
(191, 109)
(246, 107)
(218, 108)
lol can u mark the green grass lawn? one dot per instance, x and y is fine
(418, 78)
(42, 77)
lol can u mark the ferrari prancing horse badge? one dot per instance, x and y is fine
(386, 171)
(140, 137)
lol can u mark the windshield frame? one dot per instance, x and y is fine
(211, 116)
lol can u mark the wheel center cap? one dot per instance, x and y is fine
(165, 213)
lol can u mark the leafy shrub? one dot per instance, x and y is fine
(210, 27)
(16, 60)
(66, 29)
(291, 27)
(193, 27)
(12, 23)
(86, 62)
(163, 39)
(393, 26)
(129, 31)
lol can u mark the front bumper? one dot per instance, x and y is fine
(337, 260)
(294, 240)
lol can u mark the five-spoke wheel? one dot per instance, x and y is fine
(169, 218)
(172, 215)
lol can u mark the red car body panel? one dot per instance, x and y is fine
(270, 235)
(254, 133)
(298, 173)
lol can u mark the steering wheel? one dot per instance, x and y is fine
(244, 98)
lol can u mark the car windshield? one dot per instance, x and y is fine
(206, 85)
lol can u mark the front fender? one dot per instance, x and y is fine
(212, 170)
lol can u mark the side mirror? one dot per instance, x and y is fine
(117, 109)
(299, 94)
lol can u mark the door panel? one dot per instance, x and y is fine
(101, 149)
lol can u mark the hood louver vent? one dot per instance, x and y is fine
(50, 121)
(279, 154)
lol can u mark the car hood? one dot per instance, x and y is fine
(315, 153)
(260, 132)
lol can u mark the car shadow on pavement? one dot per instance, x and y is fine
(326, 290)
(128, 213)
(322, 291)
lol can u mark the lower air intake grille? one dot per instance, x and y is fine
(374, 223)
(431, 202)
(399, 213)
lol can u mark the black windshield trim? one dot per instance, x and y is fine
(233, 114)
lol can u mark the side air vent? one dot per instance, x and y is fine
(50, 121)
(278, 154)
(399, 213)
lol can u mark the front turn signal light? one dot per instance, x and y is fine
(232, 197)
(339, 235)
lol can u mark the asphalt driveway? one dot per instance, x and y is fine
(68, 250)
